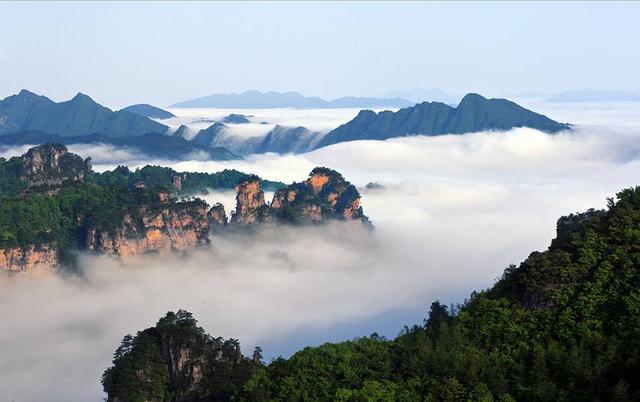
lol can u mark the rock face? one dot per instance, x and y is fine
(250, 205)
(50, 165)
(324, 196)
(217, 217)
(176, 228)
(127, 216)
(33, 258)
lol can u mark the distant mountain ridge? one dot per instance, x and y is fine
(419, 95)
(474, 113)
(593, 95)
(152, 144)
(78, 116)
(272, 99)
(280, 139)
(149, 111)
(27, 118)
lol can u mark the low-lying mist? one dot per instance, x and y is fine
(453, 212)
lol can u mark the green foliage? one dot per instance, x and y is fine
(10, 176)
(562, 326)
(152, 367)
(65, 217)
(163, 177)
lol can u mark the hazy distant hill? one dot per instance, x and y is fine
(280, 139)
(418, 95)
(235, 118)
(149, 111)
(78, 116)
(288, 139)
(272, 99)
(152, 144)
(593, 95)
(474, 113)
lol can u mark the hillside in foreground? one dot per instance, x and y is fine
(564, 325)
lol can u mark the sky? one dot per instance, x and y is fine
(161, 53)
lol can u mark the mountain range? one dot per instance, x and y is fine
(78, 116)
(27, 118)
(473, 113)
(593, 95)
(265, 100)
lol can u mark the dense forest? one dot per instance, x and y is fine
(187, 183)
(51, 196)
(564, 325)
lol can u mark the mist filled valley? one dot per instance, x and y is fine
(319, 202)
(450, 213)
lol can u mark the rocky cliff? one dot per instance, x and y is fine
(48, 166)
(174, 227)
(250, 205)
(217, 216)
(54, 205)
(29, 259)
(323, 197)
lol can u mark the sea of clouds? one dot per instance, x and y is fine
(453, 212)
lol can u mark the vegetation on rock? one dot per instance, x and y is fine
(564, 325)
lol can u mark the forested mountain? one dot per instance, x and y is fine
(564, 325)
(593, 95)
(177, 361)
(474, 113)
(78, 116)
(152, 144)
(280, 139)
(53, 205)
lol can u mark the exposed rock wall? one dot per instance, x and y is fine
(324, 196)
(217, 216)
(50, 165)
(30, 259)
(172, 229)
(250, 205)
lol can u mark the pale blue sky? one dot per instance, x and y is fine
(161, 53)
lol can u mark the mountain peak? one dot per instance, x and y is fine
(81, 97)
(25, 92)
(472, 98)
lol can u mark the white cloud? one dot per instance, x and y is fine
(454, 211)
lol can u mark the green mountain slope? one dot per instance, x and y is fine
(78, 116)
(564, 325)
(474, 113)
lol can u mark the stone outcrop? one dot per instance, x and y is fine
(50, 165)
(147, 219)
(324, 196)
(175, 228)
(250, 205)
(29, 259)
(217, 216)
